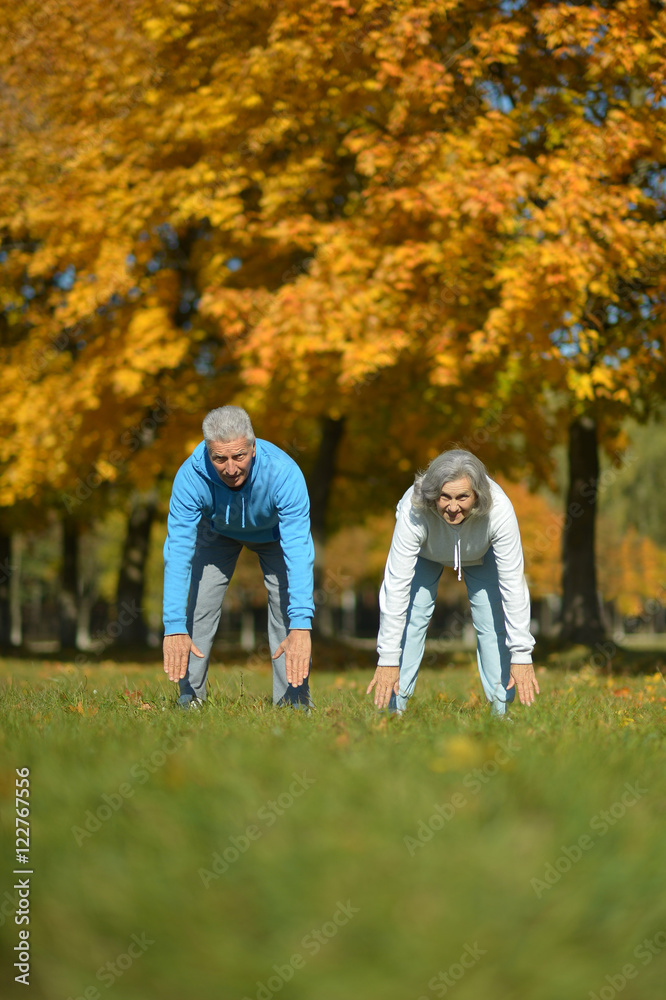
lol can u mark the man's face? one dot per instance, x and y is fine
(232, 460)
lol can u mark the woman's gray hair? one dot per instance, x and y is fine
(227, 423)
(446, 468)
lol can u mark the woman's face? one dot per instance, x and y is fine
(456, 500)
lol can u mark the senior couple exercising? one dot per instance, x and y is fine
(236, 490)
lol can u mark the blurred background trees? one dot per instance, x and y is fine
(383, 228)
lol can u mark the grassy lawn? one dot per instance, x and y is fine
(247, 852)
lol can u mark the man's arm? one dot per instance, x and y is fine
(185, 510)
(293, 507)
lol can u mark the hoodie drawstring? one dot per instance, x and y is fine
(457, 558)
(242, 512)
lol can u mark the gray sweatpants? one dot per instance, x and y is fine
(215, 559)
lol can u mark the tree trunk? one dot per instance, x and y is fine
(5, 574)
(15, 602)
(581, 615)
(319, 488)
(69, 583)
(130, 628)
(319, 483)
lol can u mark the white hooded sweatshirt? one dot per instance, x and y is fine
(425, 533)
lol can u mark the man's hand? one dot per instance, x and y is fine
(387, 681)
(176, 650)
(524, 679)
(297, 648)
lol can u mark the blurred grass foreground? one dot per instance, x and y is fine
(244, 851)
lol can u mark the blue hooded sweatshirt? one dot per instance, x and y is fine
(271, 505)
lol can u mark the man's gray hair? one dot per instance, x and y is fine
(227, 423)
(447, 468)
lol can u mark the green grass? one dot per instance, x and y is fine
(173, 790)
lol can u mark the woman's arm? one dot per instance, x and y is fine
(508, 550)
(409, 536)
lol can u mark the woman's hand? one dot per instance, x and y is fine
(524, 679)
(386, 682)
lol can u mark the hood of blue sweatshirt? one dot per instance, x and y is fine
(271, 505)
(228, 505)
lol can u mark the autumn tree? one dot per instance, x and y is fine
(381, 226)
(101, 310)
(584, 277)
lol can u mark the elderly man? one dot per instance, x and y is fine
(234, 491)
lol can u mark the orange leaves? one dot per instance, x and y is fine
(581, 384)
(631, 568)
(501, 43)
(389, 69)
(541, 533)
(569, 26)
(304, 202)
(87, 711)
(135, 699)
(152, 343)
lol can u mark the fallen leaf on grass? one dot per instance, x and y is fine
(87, 711)
(136, 697)
(65, 668)
(342, 682)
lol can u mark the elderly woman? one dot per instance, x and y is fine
(455, 515)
